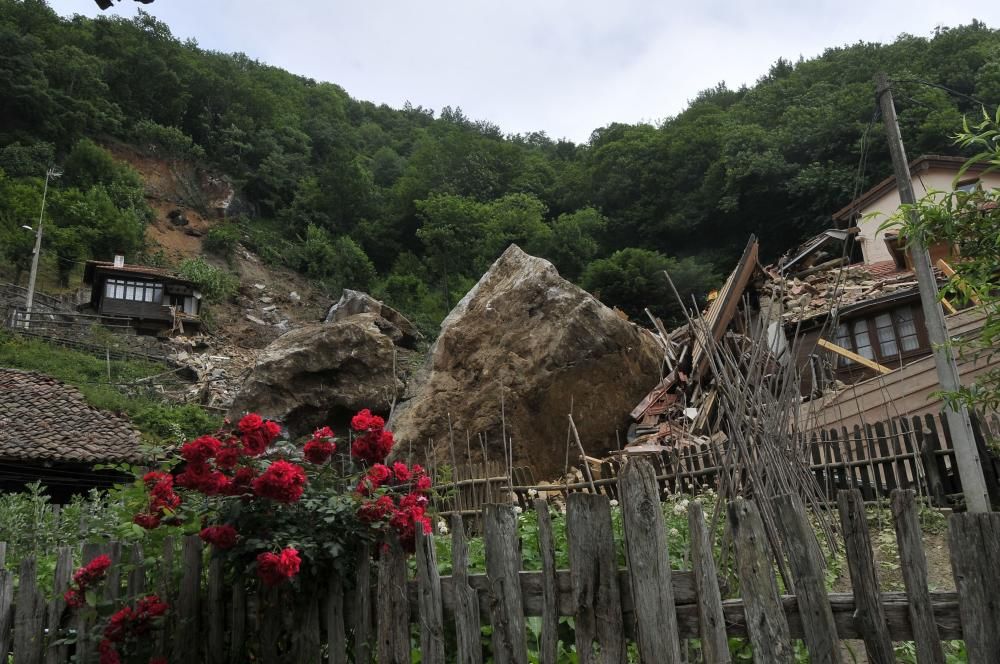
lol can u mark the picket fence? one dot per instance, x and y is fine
(383, 615)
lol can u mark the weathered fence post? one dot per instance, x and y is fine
(431, 609)
(766, 622)
(84, 619)
(60, 582)
(869, 613)
(648, 564)
(216, 612)
(362, 604)
(913, 565)
(714, 642)
(549, 646)
(503, 564)
(237, 637)
(29, 634)
(594, 572)
(6, 605)
(804, 558)
(136, 584)
(336, 636)
(974, 540)
(188, 637)
(468, 635)
(393, 605)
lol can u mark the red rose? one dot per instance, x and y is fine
(229, 455)
(378, 474)
(254, 442)
(282, 481)
(276, 568)
(318, 450)
(92, 572)
(424, 484)
(376, 510)
(242, 482)
(147, 521)
(74, 598)
(221, 537)
(272, 430)
(365, 421)
(201, 449)
(250, 422)
(108, 652)
(401, 472)
(323, 433)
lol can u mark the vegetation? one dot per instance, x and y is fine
(413, 203)
(969, 220)
(157, 419)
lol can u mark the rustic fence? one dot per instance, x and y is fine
(383, 614)
(904, 452)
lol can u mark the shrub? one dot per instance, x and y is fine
(222, 240)
(169, 142)
(215, 283)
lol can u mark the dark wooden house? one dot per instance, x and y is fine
(156, 300)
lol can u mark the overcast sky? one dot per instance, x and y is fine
(564, 67)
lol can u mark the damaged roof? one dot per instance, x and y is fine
(44, 419)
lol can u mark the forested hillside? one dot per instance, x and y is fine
(414, 204)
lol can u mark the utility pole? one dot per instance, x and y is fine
(30, 299)
(959, 425)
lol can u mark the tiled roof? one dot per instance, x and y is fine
(883, 269)
(42, 418)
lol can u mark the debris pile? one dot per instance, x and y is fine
(218, 371)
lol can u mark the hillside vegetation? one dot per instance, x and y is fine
(414, 204)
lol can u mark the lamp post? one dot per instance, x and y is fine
(52, 173)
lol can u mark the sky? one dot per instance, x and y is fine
(565, 67)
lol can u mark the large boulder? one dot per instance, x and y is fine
(323, 373)
(549, 346)
(352, 302)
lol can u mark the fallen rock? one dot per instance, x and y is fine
(325, 372)
(549, 344)
(353, 302)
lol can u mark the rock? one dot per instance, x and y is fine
(177, 217)
(269, 308)
(255, 320)
(266, 300)
(354, 302)
(294, 297)
(550, 344)
(259, 286)
(325, 372)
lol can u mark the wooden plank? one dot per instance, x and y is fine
(362, 604)
(765, 617)
(852, 356)
(112, 586)
(306, 644)
(648, 564)
(885, 457)
(593, 570)
(270, 624)
(913, 565)
(393, 609)
(6, 609)
(238, 630)
(503, 561)
(864, 469)
(57, 605)
(336, 636)
(711, 621)
(974, 540)
(549, 645)
(928, 462)
(3, 554)
(187, 636)
(864, 581)
(29, 614)
(136, 584)
(468, 636)
(216, 612)
(86, 647)
(431, 608)
(805, 562)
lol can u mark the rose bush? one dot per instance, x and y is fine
(283, 509)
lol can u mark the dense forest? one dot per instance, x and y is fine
(414, 204)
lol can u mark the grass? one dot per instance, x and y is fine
(158, 420)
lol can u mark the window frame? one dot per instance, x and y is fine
(875, 341)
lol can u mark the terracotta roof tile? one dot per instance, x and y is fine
(42, 418)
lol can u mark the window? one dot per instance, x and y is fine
(882, 338)
(134, 291)
(968, 186)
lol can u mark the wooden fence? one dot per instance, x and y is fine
(384, 614)
(904, 452)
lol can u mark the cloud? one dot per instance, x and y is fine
(562, 66)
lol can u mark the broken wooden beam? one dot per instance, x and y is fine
(854, 357)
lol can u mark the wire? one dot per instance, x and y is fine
(939, 86)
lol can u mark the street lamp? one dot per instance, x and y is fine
(52, 173)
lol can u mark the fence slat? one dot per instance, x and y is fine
(714, 642)
(806, 565)
(503, 561)
(136, 584)
(6, 609)
(549, 646)
(362, 604)
(431, 610)
(864, 581)
(765, 617)
(216, 612)
(974, 540)
(393, 606)
(593, 570)
(648, 564)
(85, 645)
(57, 605)
(306, 642)
(165, 587)
(187, 625)
(913, 565)
(28, 616)
(238, 631)
(336, 637)
(468, 635)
